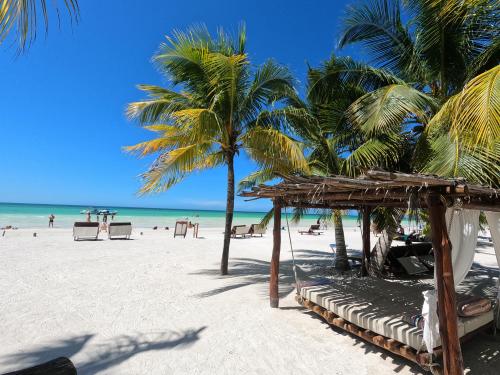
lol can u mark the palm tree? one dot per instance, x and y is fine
(447, 100)
(447, 60)
(332, 145)
(222, 107)
(21, 16)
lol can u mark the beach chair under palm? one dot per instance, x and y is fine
(180, 228)
(240, 230)
(257, 229)
(313, 230)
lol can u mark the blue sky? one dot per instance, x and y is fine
(62, 102)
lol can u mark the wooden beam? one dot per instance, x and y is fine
(494, 206)
(365, 233)
(275, 260)
(452, 354)
(423, 359)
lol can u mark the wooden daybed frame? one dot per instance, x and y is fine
(385, 189)
(423, 358)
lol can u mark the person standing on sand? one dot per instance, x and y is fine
(88, 217)
(51, 220)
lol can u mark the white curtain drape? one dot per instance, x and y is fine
(463, 227)
(431, 320)
(493, 219)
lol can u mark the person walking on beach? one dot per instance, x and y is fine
(51, 220)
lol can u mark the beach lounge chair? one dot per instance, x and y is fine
(257, 229)
(240, 230)
(180, 228)
(83, 229)
(412, 265)
(119, 230)
(313, 230)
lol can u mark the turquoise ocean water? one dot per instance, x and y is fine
(36, 216)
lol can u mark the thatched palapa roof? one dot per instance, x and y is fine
(376, 188)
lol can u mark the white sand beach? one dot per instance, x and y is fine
(157, 305)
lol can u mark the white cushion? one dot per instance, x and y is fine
(379, 305)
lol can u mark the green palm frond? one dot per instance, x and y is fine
(450, 37)
(377, 25)
(149, 147)
(267, 218)
(271, 82)
(224, 72)
(173, 166)
(476, 113)
(450, 158)
(472, 115)
(384, 151)
(160, 107)
(23, 17)
(272, 148)
(485, 60)
(298, 213)
(260, 176)
(384, 110)
(199, 125)
(299, 120)
(386, 217)
(168, 137)
(338, 75)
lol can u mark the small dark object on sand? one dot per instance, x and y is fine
(167, 228)
(34, 234)
(141, 233)
(155, 228)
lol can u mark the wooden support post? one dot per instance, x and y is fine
(275, 260)
(365, 233)
(452, 354)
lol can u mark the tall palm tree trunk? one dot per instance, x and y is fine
(341, 261)
(229, 214)
(379, 252)
(381, 249)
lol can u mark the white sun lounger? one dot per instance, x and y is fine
(257, 229)
(313, 230)
(180, 228)
(119, 230)
(240, 230)
(85, 230)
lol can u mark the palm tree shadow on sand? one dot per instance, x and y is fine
(107, 355)
(481, 354)
(250, 271)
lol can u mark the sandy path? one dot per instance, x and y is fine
(156, 305)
